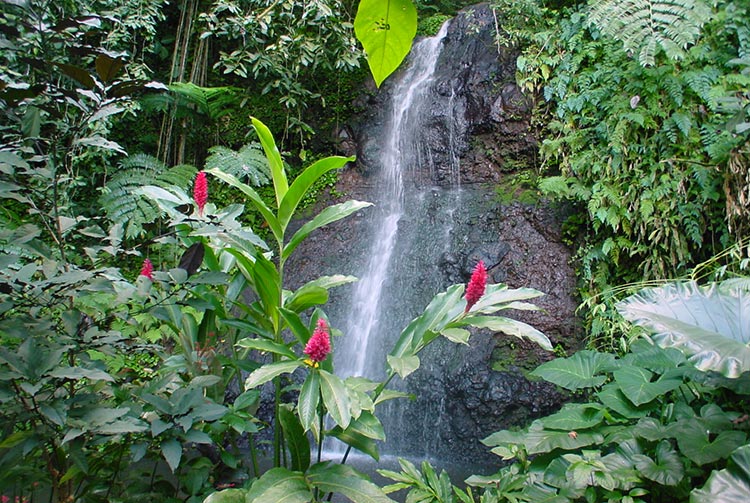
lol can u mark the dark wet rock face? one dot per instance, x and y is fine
(476, 131)
(476, 110)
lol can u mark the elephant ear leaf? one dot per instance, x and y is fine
(709, 324)
(731, 485)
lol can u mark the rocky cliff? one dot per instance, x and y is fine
(478, 123)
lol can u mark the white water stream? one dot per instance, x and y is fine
(400, 152)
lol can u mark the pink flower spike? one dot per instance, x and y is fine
(319, 345)
(200, 191)
(148, 269)
(476, 286)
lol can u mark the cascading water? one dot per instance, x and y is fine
(400, 152)
(412, 230)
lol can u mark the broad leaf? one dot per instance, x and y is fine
(172, 452)
(511, 327)
(613, 398)
(539, 440)
(342, 479)
(279, 485)
(636, 384)
(404, 365)
(260, 205)
(582, 370)
(335, 398)
(443, 308)
(266, 346)
(500, 296)
(278, 175)
(303, 182)
(227, 496)
(456, 335)
(305, 297)
(361, 434)
(730, 485)
(386, 29)
(309, 398)
(357, 440)
(269, 371)
(711, 324)
(667, 469)
(296, 440)
(575, 416)
(329, 215)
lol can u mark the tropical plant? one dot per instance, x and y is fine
(349, 404)
(650, 427)
(649, 155)
(385, 30)
(708, 323)
(643, 26)
(120, 198)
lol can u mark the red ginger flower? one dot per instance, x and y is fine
(200, 191)
(148, 269)
(319, 345)
(476, 286)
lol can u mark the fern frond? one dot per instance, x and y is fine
(211, 101)
(124, 204)
(249, 163)
(643, 26)
(701, 82)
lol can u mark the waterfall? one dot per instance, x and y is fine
(401, 152)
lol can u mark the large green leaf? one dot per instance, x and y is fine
(278, 175)
(342, 479)
(710, 324)
(575, 416)
(303, 182)
(667, 469)
(260, 205)
(269, 371)
(309, 398)
(539, 440)
(511, 327)
(305, 297)
(362, 434)
(612, 396)
(731, 485)
(172, 452)
(335, 398)
(296, 439)
(403, 365)
(636, 385)
(329, 215)
(279, 485)
(266, 345)
(443, 308)
(386, 29)
(500, 296)
(582, 370)
(227, 496)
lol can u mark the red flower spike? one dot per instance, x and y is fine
(148, 269)
(476, 286)
(200, 191)
(319, 345)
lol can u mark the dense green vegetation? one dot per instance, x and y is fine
(145, 232)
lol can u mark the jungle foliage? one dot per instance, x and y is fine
(646, 131)
(117, 385)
